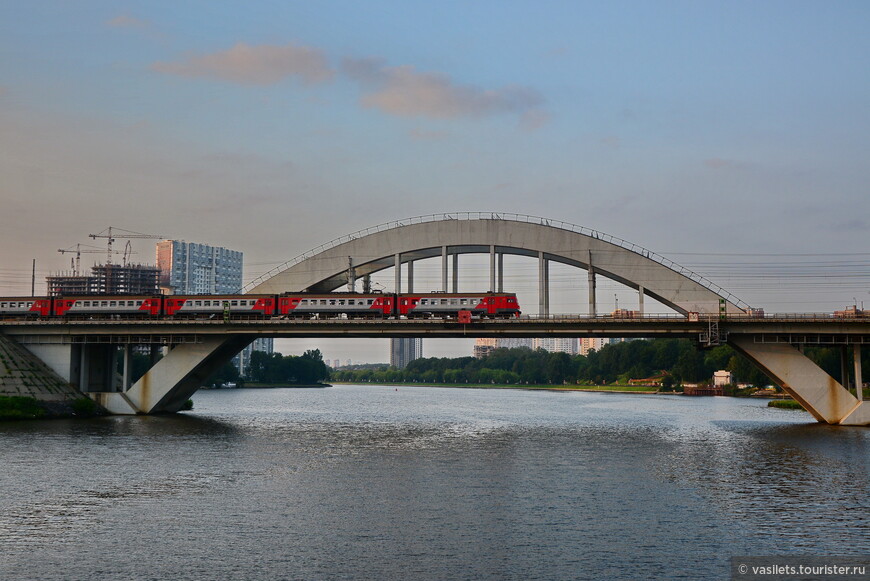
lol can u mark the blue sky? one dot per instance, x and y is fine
(272, 127)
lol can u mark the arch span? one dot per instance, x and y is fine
(325, 268)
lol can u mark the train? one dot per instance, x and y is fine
(462, 306)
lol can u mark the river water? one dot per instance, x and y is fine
(365, 482)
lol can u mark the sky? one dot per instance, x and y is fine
(731, 137)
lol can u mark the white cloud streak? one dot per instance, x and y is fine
(403, 91)
(254, 65)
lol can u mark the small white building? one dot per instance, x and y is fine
(722, 377)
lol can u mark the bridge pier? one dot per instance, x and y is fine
(172, 380)
(819, 393)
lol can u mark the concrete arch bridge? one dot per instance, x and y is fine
(706, 312)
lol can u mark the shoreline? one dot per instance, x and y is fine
(538, 387)
(581, 388)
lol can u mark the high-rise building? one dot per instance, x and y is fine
(403, 351)
(484, 346)
(557, 344)
(587, 344)
(198, 269)
(514, 343)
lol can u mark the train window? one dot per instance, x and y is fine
(331, 301)
(351, 301)
(197, 303)
(234, 303)
(463, 301)
(371, 302)
(104, 303)
(322, 301)
(413, 301)
(424, 302)
(452, 301)
(341, 301)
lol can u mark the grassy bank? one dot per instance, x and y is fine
(20, 408)
(786, 404)
(29, 408)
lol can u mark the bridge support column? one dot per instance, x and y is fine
(492, 268)
(398, 274)
(501, 272)
(543, 285)
(128, 360)
(591, 273)
(444, 269)
(411, 276)
(351, 275)
(640, 299)
(173, 379)
(97, 368)
(456, 273)
(859, 383)
(818, 392)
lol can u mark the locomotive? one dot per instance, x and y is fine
(285, 306)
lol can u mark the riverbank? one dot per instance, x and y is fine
(282, 385)
(533, 387)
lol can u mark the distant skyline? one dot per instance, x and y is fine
(731, 137)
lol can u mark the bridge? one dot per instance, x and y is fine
(82, 352)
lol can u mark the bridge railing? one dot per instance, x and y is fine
(509, 216)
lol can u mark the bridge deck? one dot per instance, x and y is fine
(811, 328)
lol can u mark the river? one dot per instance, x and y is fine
(375, 482)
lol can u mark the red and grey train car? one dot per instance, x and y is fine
(294, 306)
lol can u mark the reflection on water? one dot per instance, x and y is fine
(369, 482)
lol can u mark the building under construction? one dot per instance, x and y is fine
(108, 279)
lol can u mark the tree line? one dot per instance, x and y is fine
(675, 361)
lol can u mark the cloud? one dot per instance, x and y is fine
(127, 21)
(254, 65)
(534, 119)
(404, 92)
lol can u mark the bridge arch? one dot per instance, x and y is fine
(328, 267)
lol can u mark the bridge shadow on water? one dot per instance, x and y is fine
(163, 426)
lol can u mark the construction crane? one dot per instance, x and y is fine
(111, 233)
(76, 263)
